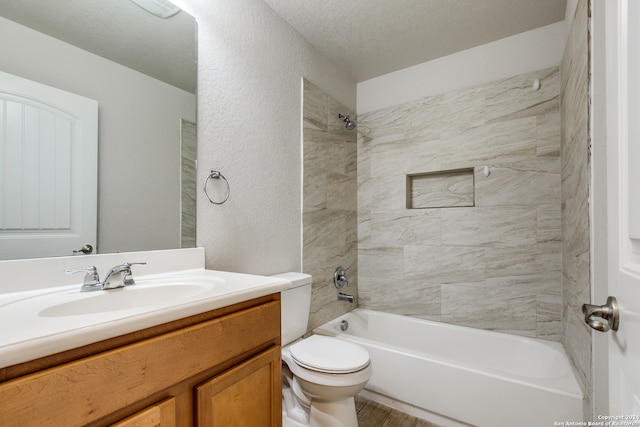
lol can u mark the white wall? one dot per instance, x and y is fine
(139, 150)
(250, 64)
(523, 53)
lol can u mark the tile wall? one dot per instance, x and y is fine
(329, 203)
(576, 336)
(494, 265)
(188, 165)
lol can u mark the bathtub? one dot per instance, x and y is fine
(458, 376)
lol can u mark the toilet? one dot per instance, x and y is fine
(320, 374)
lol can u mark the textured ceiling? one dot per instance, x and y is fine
(118, 30)
(369, 38)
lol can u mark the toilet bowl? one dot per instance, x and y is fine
(321, 375)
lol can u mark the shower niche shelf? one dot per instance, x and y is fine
(441, 189)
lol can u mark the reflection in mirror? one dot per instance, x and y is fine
(141, 71)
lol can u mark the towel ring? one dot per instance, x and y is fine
(216, 175)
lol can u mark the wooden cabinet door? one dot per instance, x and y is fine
(247, 395)
(162, 414)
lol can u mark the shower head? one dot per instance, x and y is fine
(349, 124)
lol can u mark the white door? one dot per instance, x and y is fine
(622, 45)
(48, 170)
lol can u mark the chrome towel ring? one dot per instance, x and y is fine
(216, 175)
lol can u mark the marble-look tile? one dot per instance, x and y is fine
(382, 126)
(314, 187)
(501, 308)
(315, 107)
(549, 223)
(366, 192)
(330, 223)
(465, 109)
(444, 264)
(574, 170)
(534, 182)
(405, 156)
(383, 262)
(499, 142)
(441, 189)
(364, 228)
(515, 98)
(575, 223)
(405, 297)
(548, 133)
(503, 226)
(324, 228)
(188, 148)
(341, 192)
(508, 244)
(548, 319)
(524, 260)
(574, 87)
(388, 193)
(405, 227)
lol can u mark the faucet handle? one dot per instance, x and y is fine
(127, 278)
(134, 263)
(91, 277)
(340, 278)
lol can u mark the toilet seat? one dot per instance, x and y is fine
(329, 355)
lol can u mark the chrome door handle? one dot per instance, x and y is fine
(86, 249)
(609, 313)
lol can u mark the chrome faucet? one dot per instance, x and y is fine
(120, 276)
(117, 277)
(346, 297)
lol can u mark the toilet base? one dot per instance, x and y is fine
(324, 414)
(300, 411)
(337, 413)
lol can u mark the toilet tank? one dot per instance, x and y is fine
(295, 304)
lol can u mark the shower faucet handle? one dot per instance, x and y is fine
(340, 278)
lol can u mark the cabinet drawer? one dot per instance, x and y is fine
(88, 389)
(161, 414)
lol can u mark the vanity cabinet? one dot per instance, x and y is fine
(244, 395)
(220, 368)
(161, 414)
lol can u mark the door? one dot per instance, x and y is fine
(622, 87)
(48, 170)
(249, 394)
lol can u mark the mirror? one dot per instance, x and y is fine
(141, 70)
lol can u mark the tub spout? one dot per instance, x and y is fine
(346, 297)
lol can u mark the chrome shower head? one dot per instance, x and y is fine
(349, 124)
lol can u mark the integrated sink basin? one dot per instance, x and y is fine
(148, 293)
(53, 319)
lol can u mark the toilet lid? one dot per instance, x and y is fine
(328, 354)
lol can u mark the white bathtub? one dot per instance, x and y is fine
(456, 376)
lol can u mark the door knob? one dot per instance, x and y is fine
(609, 313)
(86, 249)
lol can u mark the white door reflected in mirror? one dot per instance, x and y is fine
(48, 175)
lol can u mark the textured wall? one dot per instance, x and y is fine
(329, 202)
(495, 265)
(522, 53)
(250, 63)
(576, 336)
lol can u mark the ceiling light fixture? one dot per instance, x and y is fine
(162, 8)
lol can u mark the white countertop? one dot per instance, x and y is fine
(37, 322)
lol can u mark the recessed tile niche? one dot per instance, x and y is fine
(441, 189)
